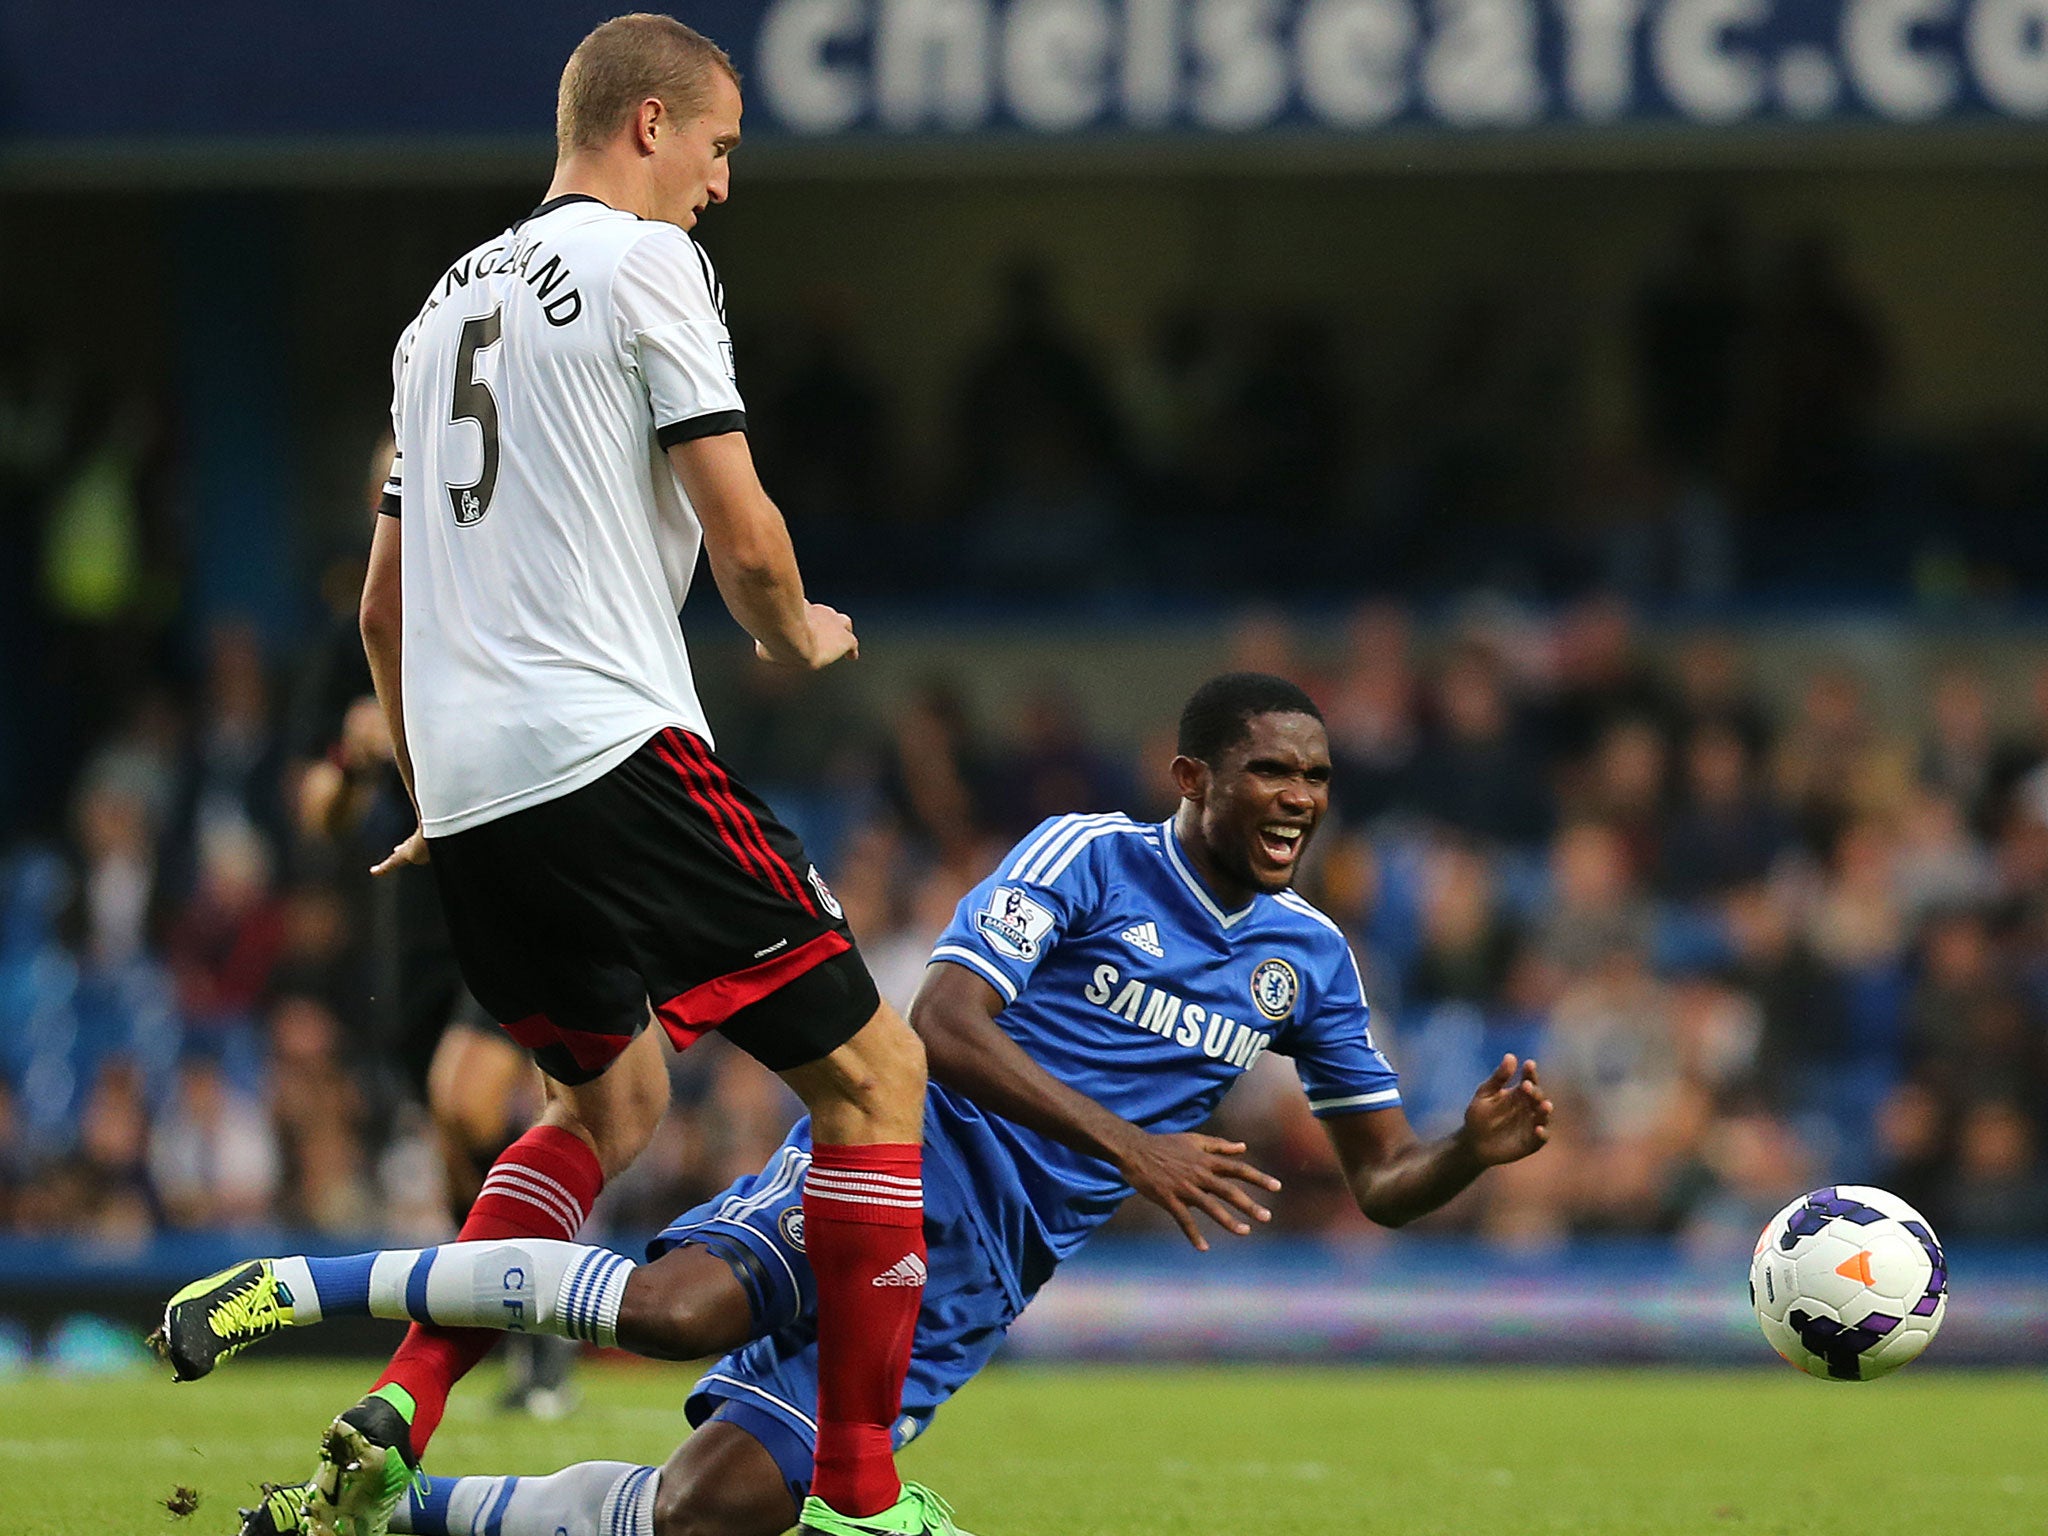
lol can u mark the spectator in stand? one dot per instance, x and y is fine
(936, 778)
(1043, 450)
(1912, 1132)
(113, 1156)
(1477, 771)
(1713, 689)
(1959, 753)
(1611, 1054)
(1370, 706)
(1601, 678)
(1825, 372)
(1725, 833)
(2020, 751)
(212, 1154)
(1595, 908)
(1693, 324)
(1997, 1190)
(226, 943)
(1051, 767)
(1263, 639)
(825, 429)
(1856, 921)
(900, 954)
(1625, 787)
(234, 767)
(316, 1111)
(1287, 427)
(1938, 863)
(1969, 1035)
(790, 729)
(116, 902)
(1801, 1000)
(1153, 795)
(1467, 945)
(99, 1187)
(1823, 758)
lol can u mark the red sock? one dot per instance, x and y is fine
(540, 1186)
(864, 1232)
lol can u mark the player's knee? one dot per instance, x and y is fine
(618, 1113)
(883, 1088)
(698, 1505)
(684, 1306)
(891, 1062)
(467, 1119)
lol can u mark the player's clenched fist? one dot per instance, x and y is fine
(831, 638)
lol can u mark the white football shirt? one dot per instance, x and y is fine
(547, 544)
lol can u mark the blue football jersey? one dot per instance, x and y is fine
(1125, 979)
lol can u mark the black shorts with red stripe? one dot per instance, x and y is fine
(665, 884)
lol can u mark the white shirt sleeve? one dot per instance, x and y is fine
(391, 502)
(672, 308)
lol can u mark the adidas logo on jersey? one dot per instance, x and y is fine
(908, 1270)
(1146, 937)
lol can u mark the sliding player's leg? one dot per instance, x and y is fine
(747, 1468)
(721, 1482)
(688, 1305)
(728, 1271)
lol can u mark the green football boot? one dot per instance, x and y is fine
(366, 1461)
(215, 1319)
(282, 1511)
(919, 1512)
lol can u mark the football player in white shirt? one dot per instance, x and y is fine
(570, 430)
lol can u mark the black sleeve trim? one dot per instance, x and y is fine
(387, 505)
(714, 425)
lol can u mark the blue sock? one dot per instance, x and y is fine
(323, 1288)
(425, 1510)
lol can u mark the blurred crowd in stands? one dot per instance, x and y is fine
(1758, 942)
(1764, 450)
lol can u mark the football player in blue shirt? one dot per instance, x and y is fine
(1089, 1005)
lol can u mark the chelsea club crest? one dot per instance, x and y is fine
(1274, 988)
(792, 1223)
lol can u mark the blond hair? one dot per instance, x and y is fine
(623, 63)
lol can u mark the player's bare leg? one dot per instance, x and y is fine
(480, 1089)
(721, 1482)
(864, 1234)
(542, 1187)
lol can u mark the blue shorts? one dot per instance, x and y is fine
(769, 1387)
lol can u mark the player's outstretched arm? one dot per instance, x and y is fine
(1396, 1176)
(751, 557)
(1182, 1173)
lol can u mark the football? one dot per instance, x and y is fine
(1849, 1283)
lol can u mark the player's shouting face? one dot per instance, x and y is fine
(1249, 815)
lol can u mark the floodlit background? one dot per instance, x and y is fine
(1629, 418)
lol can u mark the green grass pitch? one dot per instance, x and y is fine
(1163, 1452)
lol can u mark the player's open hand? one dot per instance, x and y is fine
(1188, 1172)
(1508, 1117)
(412, 851)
